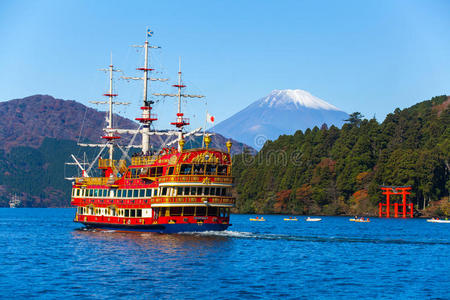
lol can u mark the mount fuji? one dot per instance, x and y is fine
(281, 112)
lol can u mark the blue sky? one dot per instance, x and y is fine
(367, 56)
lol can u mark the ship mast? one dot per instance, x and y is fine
(110, 136)
(147, 117)
(180, 121)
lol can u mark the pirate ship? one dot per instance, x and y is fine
(170, 190)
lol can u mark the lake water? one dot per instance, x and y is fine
(43, 254)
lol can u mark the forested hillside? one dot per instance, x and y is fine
(339, 171)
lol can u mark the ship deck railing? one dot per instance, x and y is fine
(143, 160)
(196, 178)
(92, 180)
(207, 200)
(121, 165)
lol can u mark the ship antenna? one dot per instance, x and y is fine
(110, 135)
(180, 120)
(147, 117)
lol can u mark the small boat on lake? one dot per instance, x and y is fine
(291, 219)
(258, 219)
(437, 220)
(309, 219)
(360, 220)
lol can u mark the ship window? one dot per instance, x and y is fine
(162, 211)
(135, 193)
(199, 191)
(119, 193)
(222, 170)
(148, 193)
(206, 191)
(132, 213)
(218, 191)
(212, 191)
(175, 211)
(201, 211)
(186, 191)
(142, 193)
(159, 171)
(95, 193)
(89, 193)
(199, 169)
(179, 191)
(127, 212)
(189, 211)
(193, 190)
(211, 169)
(224, 191)
(143, 171)
(163, 191)
(170, 171)
(130, 193)
(185, 169)
(212, 211)
(139, 213)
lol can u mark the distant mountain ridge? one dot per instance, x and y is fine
(27, 121)
(281, 112)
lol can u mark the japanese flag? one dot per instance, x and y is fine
(209, 118)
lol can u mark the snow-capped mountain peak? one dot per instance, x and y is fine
(298, 98)
(280, 112)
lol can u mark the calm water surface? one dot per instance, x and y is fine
(43, 254)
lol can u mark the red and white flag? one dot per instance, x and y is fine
(209, 118)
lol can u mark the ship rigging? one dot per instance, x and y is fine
(170, 190)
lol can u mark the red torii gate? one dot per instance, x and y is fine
(395, 190)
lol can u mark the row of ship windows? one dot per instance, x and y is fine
(112, 211)
(198, 211)
(160, 211)
(201, 169)
(195, 191)
(185, 169)
(135, 193)
(145, 193)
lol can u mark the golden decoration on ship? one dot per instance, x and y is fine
(172, 160)
(205, 157)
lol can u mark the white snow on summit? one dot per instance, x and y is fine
(284, 98)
